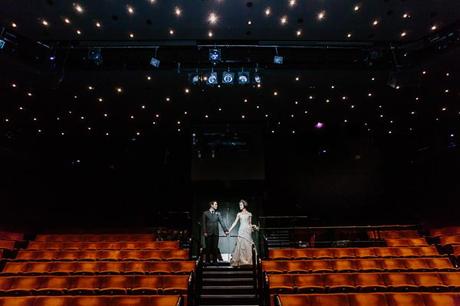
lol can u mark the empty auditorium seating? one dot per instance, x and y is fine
(348, 265)
(358, 282)
(156, 245)
(415, 242)
(445, 231)
(393, 234)
(449, 240)
(5, 235)
(113, 284)
(59, 255)
(7, 244)
(326, 253)
(370, 299)
(158, 300)
(98, 267)
(95, 237)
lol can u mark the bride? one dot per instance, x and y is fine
(242, 255)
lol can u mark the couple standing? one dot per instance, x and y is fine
(242, 254)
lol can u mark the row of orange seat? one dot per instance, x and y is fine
(445, 231)
(99, 267)
(158, 300)
(449, 240)
(7, 244)
(303, 253)
(179, 254)
(392, 234)
(14, 236)
(354, 282)
(163, 245)
(414, 242)
(113, 284)
(95, 237)
(370, 299)
(360, 265)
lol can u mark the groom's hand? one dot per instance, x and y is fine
(205, 234)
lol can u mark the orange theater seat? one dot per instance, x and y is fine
(85, 285)
(329, 300)
(441, 299)
(309, 283)
(25, 285)
(175, 254)
(406, 299)
(366, 299)
(365, 252)
(272, 266)
(146, 284)
(321, 265)
(61, 268)
(344, 265)
(297, 300)
(5, 283)
(344, 253)
(429, 281)
(116, 284)
(183, 266)
(369, 265)
(399, 281)
(281, 283)
(449, 240)
(86, 267)
(53, 301)
(440, 264)
(369, 282)
(298, 266)
(387, 252)
(394, 264)
(38, 267)
(111, 267)
(340, 282)
(280, 253)
(174, 284)
(415, 242)
(15, 268)
(305, 253)
(6, 244)
(18, 301)
(135, 267)
(451, 280)
(54, 285)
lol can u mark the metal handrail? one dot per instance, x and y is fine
(396, 226)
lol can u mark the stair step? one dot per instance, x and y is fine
(228, 281)
(223, 274)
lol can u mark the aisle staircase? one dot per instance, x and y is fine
(221, 284)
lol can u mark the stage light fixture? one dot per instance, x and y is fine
(2, 44)
(243, 78)
(95, 55)
(155, 62)
(194, 78)
(228, 77)
(215, 55)
(257, 78)
(278, 60)
(212, 79)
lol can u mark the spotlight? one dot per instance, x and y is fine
(243, 78)
(257, 78)
(155, 62)
(277, 59)
(95, 55)
(212, 79)
(2, 43)
(228, 77)
(194, 78)
(215, 55)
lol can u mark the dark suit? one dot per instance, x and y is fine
(210, 225)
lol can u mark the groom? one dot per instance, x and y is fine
(211, 218)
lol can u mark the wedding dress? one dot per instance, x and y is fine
(242, 254)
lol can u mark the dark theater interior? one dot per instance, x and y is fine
(230, 152)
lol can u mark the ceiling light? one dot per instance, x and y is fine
(375, 22)
(67, 20)
(78, 8)
(45, 23)
(356, 8)
(210, 34)
(14, 25)
(212, 18)
(291, 3)
(268, 11)
(283, 20)
(177, 11)
(321, 15)
(98, 24)
(277, 59)
(130, 9)
(298, 33)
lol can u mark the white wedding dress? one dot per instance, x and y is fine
(242, 254)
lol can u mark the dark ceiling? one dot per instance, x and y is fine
(377, 80)
(378, 20)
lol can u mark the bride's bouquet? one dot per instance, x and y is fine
(255, 227)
